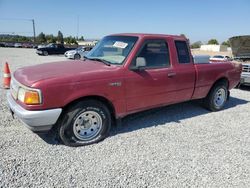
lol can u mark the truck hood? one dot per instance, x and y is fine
(240, 46)
(64, 72)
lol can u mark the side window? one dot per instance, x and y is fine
(156, 53)
(182, 52)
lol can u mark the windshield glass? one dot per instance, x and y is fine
(113, 49)
(79, 48)
(218, 56)
(50, 45)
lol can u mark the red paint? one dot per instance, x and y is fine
(63, 82)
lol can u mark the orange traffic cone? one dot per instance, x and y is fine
(6, 76)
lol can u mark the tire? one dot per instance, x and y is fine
(217, 97)
(45, 53)
(84, 123)
(77, 56)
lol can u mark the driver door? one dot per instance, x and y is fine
(154, 85)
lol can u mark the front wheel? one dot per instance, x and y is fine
(45, 53)
(77, 56)
(85, 123)
(217, 97)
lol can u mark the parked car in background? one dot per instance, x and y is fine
(241, 52)
(9, 44)
(18, 45)
(78, 53)
(217, 58)
(27, 45)
(52, 49)
(2, 44)
(123, 74)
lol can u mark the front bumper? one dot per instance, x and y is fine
(39, 52)
(39, 120)
(69, 56)
(245, 78)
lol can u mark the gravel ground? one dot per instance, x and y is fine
(181, 145)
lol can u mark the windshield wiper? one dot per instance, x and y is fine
(97, 59)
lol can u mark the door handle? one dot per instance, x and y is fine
(171, 74)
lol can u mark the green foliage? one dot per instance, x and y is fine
(60, 37)
(50, 38)
(70, 40)
(196, 44)
(15, 38)
(213, 41)
(226, 43)
(41, 38)
(23, 39)
(81, 38)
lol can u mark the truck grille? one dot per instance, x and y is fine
(245, 68)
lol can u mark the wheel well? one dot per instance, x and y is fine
(222, 80)
(97, 98)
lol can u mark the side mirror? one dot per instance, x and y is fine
(140, 64)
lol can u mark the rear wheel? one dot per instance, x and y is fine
(85, 123)
(77, 56)
(217, 97)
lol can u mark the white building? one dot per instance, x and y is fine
(214, 48)
(87, 42)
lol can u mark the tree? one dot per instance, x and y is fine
(81, 38)
(212, 41)
(70, 40)
(41, 38)
(50, 38)
(226, 43)
(196, 44)
(67, 39)
(60, 37)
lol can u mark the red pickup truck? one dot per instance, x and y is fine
(123, 74)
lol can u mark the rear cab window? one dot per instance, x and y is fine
(182, 52)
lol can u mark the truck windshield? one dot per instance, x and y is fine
(113, 49)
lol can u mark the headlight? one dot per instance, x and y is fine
(29, 96)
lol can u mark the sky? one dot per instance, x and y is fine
(199, 20)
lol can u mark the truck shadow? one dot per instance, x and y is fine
(163, 115)
(154, 117)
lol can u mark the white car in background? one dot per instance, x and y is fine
(18, 45)
(220, 58)
(77, 53)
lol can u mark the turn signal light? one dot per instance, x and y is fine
(31, 97)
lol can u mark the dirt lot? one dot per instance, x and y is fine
(182, 145)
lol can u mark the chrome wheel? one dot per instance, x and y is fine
(220, 97)
(87, 125)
